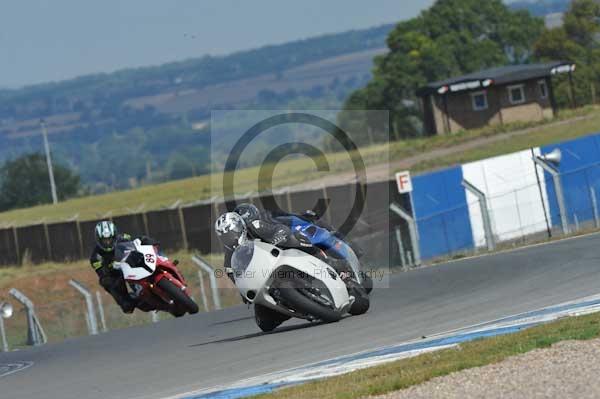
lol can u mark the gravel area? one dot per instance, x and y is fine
(568, 369)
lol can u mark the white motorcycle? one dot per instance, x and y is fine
(293, 283)
(154, 279)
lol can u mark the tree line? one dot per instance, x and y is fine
(456, 37)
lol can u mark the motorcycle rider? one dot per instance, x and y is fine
(103, 257)
(232, 230)
(250, 213)
(247, 221)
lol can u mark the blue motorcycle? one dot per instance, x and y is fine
(331, 244)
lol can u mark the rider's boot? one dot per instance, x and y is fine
(116, 287)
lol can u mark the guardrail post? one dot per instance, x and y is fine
(203, 265)
(3, 335)
(412, 229)
(400, 247)
(35, 332)
(155, 317)
(485, 213)
(101, 311)
(595, 207)
(90, 314)
(202, 291)
(560, 198)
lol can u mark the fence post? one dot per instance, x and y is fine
(202, 291)
(203, 265)
(595, 207)
(35, 332)
(183, 228)
(80, 238)
(17, 249)
(145, 220)
(412, 229)
(485, 215)
(90, 314)
(288, 198)
(47, 237)
(101, 311)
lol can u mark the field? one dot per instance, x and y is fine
(417, 155)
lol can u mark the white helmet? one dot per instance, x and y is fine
(231, 229)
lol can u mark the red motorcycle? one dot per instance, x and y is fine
(153, 279)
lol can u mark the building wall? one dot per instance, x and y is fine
(534, 109)
(499, 111)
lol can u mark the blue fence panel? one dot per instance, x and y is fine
(442, 213)
(577, 176)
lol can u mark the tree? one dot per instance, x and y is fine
(24, 182)
(575, 41)
(452, 37)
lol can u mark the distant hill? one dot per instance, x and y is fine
(148, 124)
(541, 8)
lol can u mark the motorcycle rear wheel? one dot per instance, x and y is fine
(178, 296)
(290, 293)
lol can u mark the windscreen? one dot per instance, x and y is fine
(241, 258)
(123, 249)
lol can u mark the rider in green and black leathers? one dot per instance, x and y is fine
(102, 259)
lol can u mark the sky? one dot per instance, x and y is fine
(50, 40)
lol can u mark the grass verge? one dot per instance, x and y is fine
(407, 372)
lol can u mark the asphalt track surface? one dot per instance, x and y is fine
(179, 356)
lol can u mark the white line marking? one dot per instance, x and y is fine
(11, 368)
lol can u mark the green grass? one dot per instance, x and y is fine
(407, 372)
(538, 136)
(300, 170)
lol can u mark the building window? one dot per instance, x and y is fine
(516, 94)
(479, 100)
(543, 89)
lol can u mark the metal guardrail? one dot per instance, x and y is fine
(207, 268)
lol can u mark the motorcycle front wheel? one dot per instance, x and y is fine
(181, 299)
(294, 294)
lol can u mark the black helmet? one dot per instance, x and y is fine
(106, 235)
(248, 212)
